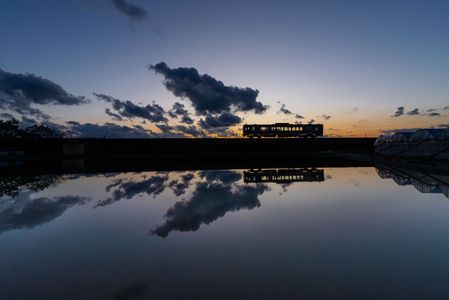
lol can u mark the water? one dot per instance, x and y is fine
(333, 233)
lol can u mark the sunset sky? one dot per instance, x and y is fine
(359, 67)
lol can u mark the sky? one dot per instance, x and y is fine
(111, 67)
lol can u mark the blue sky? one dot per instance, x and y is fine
(351, 60)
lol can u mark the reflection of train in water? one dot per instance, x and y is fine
(283, 175)
(282, 130)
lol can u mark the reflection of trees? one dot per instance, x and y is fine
(211, 200)
(12, 185)
(24, 212)
(424, 182)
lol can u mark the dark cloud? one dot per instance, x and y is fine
(190, 130)
(209, 202)
(311, 121)
(165, 127)
(288, 112)
(225, 119)
(221, 131)
(23, 212)
(413, 112)
(127, 109)
(114, 116)
(446, 108)
(6, 116)
(128, 189)
(399, 112)
(179, 110)
(284, 109)
(18, 92)
(179, 187)
(133, 12)
(355, 109)
(326, 117)
(432, 109)
(207, 94)
(106, 130)
(179, 131)
(434, 114)
(392, 131)
(223, 176)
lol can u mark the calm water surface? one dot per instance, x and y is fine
(333, 233)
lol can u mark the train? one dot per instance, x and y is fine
(282, 130)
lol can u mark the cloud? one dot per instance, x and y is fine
(18, 92)
(392, 131)
(432, 109)
(223, 176)
(399, 112)
(311, 121)
(446, 108)
(128, 189)
(207, 94)
(179, 187)
(179, 110)
(26, 212)
(284, 109)
(127, 109)
(434, 114)
(107, 130)
(326, 117)
(288, 112)
(209, 202)
(413, 112)
(225, 119)
(6, 116)
(114, 116)
(191, 130)
(133, 12)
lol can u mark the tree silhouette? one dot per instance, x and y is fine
(11, 129)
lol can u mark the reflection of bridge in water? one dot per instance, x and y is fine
(424, 182)
(283, 175)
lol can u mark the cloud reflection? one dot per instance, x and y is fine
(209, 202)
(23, 212)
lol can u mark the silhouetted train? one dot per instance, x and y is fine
(282, 130)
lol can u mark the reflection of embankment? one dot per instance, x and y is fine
(212, 199)
(284, 175)
(424, 182)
